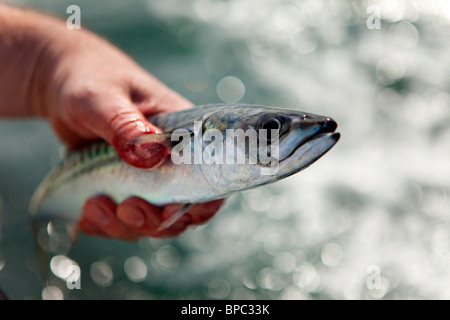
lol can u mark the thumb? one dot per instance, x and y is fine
(129, 125)
(117, 120)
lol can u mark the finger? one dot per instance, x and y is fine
(173, 231)
(202, 212)
(199, 213)
(144, 217)
(85, 226)
(171, 209)
(140, 215)
(111, 115)
(100, 212)
(152, 97)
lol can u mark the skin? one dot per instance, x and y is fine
(88, 89)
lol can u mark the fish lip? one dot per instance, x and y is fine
(327, 129)
(328, 126)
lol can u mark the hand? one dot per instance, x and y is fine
(135, 218)
(96, 91)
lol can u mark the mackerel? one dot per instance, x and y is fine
(302, 139)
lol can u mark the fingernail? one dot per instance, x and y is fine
(99, 216)
(146, 155)
(134, 217)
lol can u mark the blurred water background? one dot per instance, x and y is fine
(370, 220)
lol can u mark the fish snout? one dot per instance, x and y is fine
(327, 126)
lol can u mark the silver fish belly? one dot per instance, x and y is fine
(303, 138)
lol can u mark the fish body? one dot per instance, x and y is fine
(302, 139)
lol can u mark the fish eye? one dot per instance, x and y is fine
(269, 125)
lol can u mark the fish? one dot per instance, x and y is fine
(300, 139)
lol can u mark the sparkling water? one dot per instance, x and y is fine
(370, 220)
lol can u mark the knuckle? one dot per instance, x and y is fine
(79, 101)
(80, 96)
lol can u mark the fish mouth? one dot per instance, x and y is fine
(325, 134)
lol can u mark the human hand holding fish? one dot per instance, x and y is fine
(88, 90)
(126, 186)
(110, 104)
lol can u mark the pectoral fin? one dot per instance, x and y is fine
(173, 218)
(169, 140)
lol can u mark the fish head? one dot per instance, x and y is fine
(268, 144)
(303, 139)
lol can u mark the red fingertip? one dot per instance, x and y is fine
(147, 155)
(132, 216)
